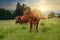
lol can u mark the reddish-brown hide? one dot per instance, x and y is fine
(57, 16)
(32, 17)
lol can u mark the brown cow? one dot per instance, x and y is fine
(32, 17)
(57, 16)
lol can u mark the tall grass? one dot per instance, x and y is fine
(49, 29)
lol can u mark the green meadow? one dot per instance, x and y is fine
(48, 29)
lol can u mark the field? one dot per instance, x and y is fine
(49, 29)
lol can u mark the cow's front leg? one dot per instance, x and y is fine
(31, 26)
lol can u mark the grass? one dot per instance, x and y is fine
(49, 29)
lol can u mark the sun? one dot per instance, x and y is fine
(41, 8)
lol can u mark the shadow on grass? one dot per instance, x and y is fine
(1, 37)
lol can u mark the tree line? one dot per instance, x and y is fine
(6, 14)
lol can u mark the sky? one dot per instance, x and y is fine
(34, 4)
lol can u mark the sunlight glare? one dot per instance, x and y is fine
(42, 8)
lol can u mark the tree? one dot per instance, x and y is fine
(51, 14)
(19, 9)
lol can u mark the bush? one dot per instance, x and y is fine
(42, 23)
